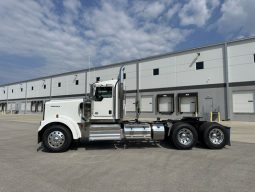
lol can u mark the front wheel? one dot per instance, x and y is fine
(57, 138)
(184, 136)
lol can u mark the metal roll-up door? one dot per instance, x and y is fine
(165, 103)
(40, 106)
(28, 108)
(146, 104)
(130, 104)
(33, 106)
(11, 106)
(243, 102)
(188, 104)
(23, 106)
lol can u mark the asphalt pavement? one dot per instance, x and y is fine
(107, 166)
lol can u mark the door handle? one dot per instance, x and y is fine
(250, 101)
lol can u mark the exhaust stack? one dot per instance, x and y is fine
(121, 92)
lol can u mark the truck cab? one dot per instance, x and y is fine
(105, 101)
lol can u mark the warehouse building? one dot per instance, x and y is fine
(217, 78)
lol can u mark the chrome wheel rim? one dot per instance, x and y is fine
(216, 136)
(185, 136)
(56, 139)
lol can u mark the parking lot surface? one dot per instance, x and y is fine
(105, 166)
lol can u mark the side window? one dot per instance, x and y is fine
(103, 92)
(199, 65)
(156, 71)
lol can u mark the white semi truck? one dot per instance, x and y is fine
(100, 117)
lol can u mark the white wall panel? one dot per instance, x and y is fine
(62, 90)
(241, 61)
(180, 70)
(166, 77)
(3, 93)
(211, 74)
(241, 48)
(38, 88)
(68, 84)
(72, 88)
(130, 81)
(14, 91)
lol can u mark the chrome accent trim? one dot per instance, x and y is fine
(185, 136)
(56, 139)
(158, 131)
(216, 136)
(137, 131)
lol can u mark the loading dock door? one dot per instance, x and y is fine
(33, 106)
(3, 106)
(11, 107)
(165, 103)
(28, 106)
(188, 102)
(243, 102)
(23, 106)
(130, 104)
(39, 106)
(146, 104)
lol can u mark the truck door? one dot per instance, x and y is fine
(103, 102)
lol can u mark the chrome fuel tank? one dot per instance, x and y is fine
(137, 131)
(158, 131)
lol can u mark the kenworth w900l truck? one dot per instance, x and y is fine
(100, 117)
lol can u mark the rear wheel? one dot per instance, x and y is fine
(214, 135)
(184, 136)
(57, 138)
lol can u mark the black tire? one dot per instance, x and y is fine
(178, 140)
(214, 135)
(63, 138)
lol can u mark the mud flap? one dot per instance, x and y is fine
(228, 136)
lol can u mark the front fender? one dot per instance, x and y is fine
(72, 125)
